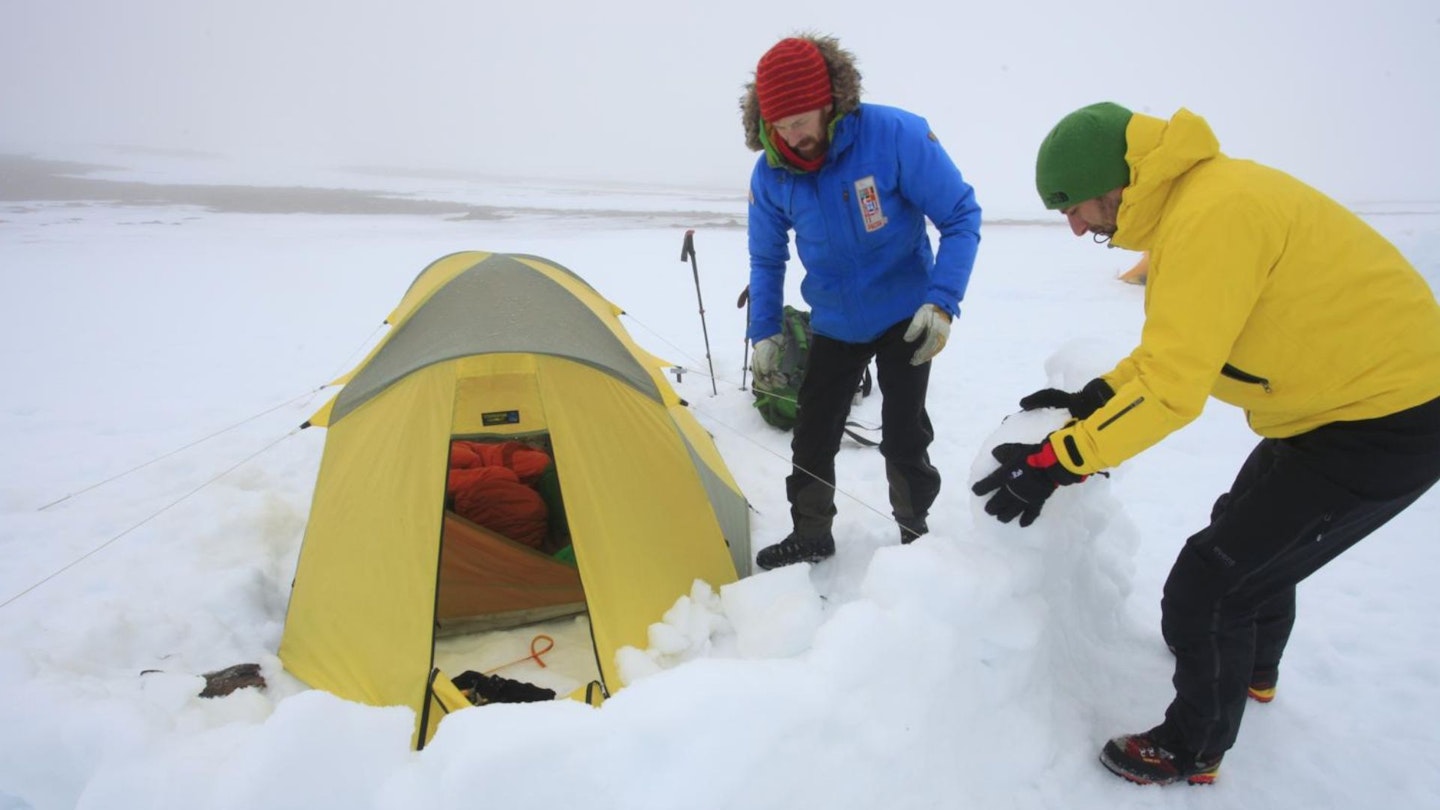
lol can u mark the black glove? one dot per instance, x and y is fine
(1028, 475)
(1081, 404)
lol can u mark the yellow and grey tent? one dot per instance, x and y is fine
(500, 346)
(1138, 273)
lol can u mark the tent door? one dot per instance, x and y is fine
(497, 593)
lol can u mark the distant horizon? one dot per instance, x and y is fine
(55, 177)
(647, 93)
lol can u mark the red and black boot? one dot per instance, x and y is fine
(1144, 761)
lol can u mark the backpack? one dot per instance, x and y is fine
(777, 405)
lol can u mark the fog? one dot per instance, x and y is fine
(646, 91)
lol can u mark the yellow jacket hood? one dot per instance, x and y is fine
(1159, 152)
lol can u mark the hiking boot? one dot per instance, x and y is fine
(911, 529)
(1142, 760)
(1262, 685)
(794, 549)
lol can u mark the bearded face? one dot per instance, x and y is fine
(806, 134)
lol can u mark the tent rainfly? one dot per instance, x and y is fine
(500, 347)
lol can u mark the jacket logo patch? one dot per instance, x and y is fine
(869, 199)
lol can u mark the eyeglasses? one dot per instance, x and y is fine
(795, 123)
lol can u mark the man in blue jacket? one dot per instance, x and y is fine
(856, 183)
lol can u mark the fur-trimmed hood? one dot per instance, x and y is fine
(844, 87)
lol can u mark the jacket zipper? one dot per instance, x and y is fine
(847, 214)
(1120, 413)
(1245, 377)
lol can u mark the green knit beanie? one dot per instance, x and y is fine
(1083, 156)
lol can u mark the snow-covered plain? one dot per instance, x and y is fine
(980, 667)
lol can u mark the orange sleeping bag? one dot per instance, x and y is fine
(527, 462)
(489, 485)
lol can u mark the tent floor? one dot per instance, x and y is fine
(569, 664)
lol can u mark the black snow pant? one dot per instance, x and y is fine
(832, 377)
(1296, 504)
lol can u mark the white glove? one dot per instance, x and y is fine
(765, 362)
(934, 324)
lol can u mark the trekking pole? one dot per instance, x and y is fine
(688, 252)
(744, 301)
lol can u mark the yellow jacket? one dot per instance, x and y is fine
(1262, 292)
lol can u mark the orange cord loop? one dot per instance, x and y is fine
(533, 656)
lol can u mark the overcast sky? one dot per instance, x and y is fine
(1344, 97)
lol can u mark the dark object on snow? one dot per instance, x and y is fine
(483, 689)
(223, 682)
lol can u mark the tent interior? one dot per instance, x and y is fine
(510, 602)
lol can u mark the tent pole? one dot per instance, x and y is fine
(744, 301)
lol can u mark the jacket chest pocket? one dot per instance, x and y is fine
(806, 212)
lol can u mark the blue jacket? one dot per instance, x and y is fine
(859, 227)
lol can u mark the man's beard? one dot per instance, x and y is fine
(1110, 210)
(810, 148)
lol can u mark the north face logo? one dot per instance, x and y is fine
(1056, 198)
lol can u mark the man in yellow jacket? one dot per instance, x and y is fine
(1268, 295)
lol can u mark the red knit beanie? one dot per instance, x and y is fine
(791, 79)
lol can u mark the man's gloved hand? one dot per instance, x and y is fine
(1081, 404)
(765, 362)
(934, 323)
(1028, 475)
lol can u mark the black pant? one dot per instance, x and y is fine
(1296, 504)
(832, 376)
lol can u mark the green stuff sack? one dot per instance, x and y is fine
(777, 404)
